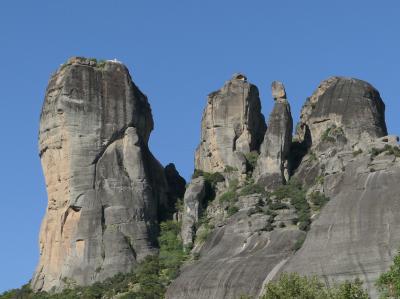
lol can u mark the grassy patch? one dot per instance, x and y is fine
(389, 149)
(318, 199)
(252, 189)
(332, 133)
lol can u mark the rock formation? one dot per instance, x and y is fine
(351, 107)
(236, 259)
(271, 163)
(232, 125)
(357, 233)
(107, 193)
(104, 186)
(192, 208)
(341, 151)
(243, 249)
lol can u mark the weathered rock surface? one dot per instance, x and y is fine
(271, 163)
(232, 125)
(357, 232)
(342, 151)
(104, 186)
(236, 259)
(351, 106)
(192, 208)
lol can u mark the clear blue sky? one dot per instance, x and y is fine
(177, 52)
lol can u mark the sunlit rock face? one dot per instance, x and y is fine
(232, 125)
(104, 186)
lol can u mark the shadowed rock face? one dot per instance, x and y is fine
(232, 125)
(104, 186)
(270, 169)
(193, 205)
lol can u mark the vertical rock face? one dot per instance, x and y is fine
(104, 186)
(193, 204)
(232, 125)
(274, 150)
(351, 106)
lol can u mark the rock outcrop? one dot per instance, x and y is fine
(105, 188)
(357, 233)
(192, 208)
(272, 161)
(236, 259)
(342, 106)
(357, 167)
(341, 151)
(232, 125)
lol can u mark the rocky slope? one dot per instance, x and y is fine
(105, 188)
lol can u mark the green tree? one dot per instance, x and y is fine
(389, 282)
(294, 286)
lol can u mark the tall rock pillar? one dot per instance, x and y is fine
(104, 186)
(270, 168)
(232, 125)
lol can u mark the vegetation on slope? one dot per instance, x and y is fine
(389, 282)
(297, 195)
(292, 285)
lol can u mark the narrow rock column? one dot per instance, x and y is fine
(193, 202)
(270, 168)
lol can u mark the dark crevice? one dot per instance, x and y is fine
(298, 150)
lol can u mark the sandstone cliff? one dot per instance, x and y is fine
(104, 186)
